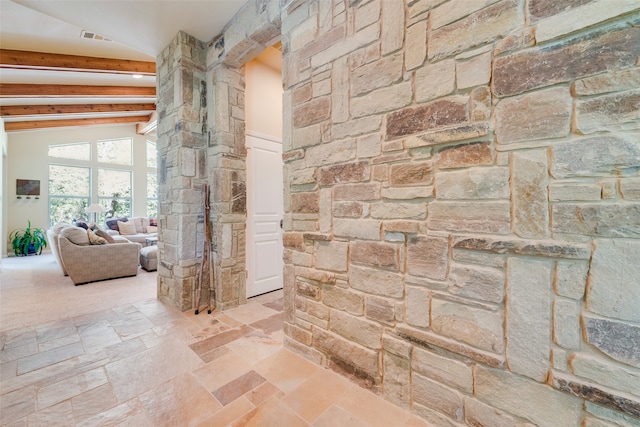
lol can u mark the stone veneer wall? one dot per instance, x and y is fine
(462, 198)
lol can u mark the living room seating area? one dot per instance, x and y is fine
(91, 254)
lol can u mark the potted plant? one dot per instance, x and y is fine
(28, 241)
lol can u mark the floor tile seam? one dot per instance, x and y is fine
(77, 420)
(75, 395)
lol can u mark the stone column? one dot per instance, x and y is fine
(227, 174)
(182, 147)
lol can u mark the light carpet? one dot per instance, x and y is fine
(34, 291)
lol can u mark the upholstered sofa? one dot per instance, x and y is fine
(135, 229)
(85, 262)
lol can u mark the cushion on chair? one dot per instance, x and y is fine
(76, 235)
(127, 228)
(95, 239)
(106, 236)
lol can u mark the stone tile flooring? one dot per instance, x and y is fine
(147, 364)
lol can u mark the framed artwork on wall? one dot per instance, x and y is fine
(27, 187)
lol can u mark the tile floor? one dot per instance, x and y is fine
(147, 364)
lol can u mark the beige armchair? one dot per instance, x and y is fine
(91, 263)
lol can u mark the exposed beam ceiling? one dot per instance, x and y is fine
(37, 116)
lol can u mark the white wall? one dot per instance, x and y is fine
(3, 188)
(27, 159)
(263, 94)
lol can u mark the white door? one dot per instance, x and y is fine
(264, 213)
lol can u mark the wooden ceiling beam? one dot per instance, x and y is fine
(58, 62)
(44, 124)
(9, 90)
(34, 110)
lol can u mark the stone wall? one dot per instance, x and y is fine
(462, 198)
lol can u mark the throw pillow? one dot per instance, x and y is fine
(76, 235)
(152, 229)
(113, 223)
(127, 228)
(95, 239)
(139, 222)
(153, 222)
(83, 224)
(106, 236)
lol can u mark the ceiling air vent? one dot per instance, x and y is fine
(93, 36)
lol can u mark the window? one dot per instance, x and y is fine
(114, 192)
(69, 192)
(116, 151)
(103, 172)
(81, 151)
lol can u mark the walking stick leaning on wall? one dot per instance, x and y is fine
(206, 271)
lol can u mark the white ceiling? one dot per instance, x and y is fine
(142, 28)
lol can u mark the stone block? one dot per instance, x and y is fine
(340, 91)
(396, 381)
(566, 323)
(442, 112)
(538, 115)
(574, 191)
(308, 290)
(407, 193)
(375, 75)
(366, 14)
(482, 217)
(614, 288)
(477, 413)
(530, 180)
(343, 173)
(571, 278)
(454, 10)
(306, 136)
(584, 16)
(435, 80)
(356, 192)
(343, 299)
(620, 110)
(376, 282)
(392, 27)
(598, 220)
(473, 183)
(604, 155)
(380, 309)
(535, 402)
(596, 393)
(416, 50)
(343, 47)
(449, 134)
(444, 370)
(612, 81)
(474, 72)
(565, 61)
(427, 339)
(302, 176)
(382, 100)
(412, 174)
(360, 359)
(480, 328)
(355, 329)
(293, 241)
(331, 255)
(312, 112)
(610, 416)
(482, 283)
(483, 26)
(415, 211)
(515, 41)
(436, 396)
(528, 317)
(618, 340)
(326, 207)
(330, 153)
(305, 202)
(369, 146)
(605, 373)
(479, 258)
(347, 209)
(428, 257)
(375, 254)
(416, 306)
(357, 229)
(464, 155)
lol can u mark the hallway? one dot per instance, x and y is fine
(147, 364)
